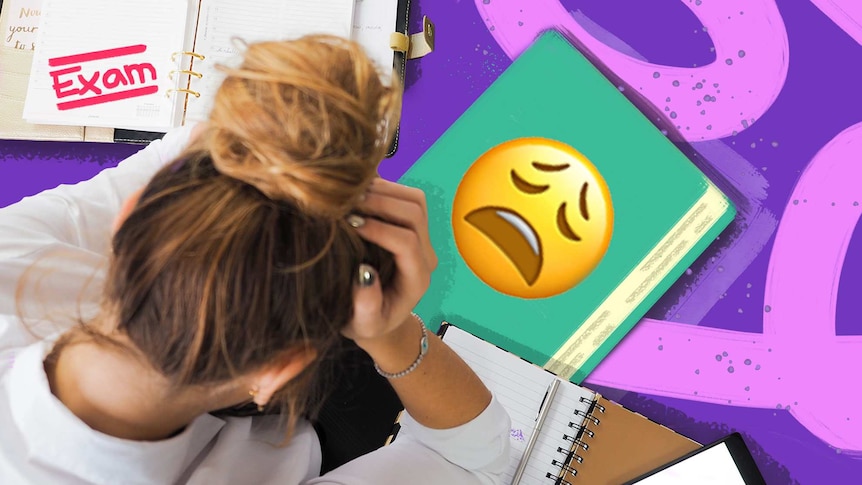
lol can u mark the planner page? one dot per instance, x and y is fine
(224, 25)
(106, 63)
(373, 22)
(520, 387)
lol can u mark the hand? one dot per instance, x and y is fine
(399, 225)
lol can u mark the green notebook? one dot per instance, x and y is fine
(573, 213)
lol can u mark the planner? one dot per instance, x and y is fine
(559, 212)
(129, 71)
(585, 438)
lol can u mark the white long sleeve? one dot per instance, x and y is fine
(60, 240)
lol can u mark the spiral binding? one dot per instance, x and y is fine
(187, 91)
(186, 53)
(571, 456)
(185, 71)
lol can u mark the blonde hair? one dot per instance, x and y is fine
(306, 121)
(239, 249)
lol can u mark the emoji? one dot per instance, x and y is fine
(532, 217)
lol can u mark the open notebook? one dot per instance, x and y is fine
(156, 58)
(585, 438)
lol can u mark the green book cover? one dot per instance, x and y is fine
(559, 213)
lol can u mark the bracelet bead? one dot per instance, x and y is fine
(423, 349)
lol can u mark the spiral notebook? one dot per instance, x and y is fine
(585, 438)
(148, 65)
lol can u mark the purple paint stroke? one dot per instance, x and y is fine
(722, 264)
(847, 14)
(798, 345)
(751, 60)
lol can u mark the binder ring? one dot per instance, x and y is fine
(186, 53)
(587, 415)
(187, 91)
(184, 71)
(558, 480)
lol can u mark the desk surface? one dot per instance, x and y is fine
(761, 335)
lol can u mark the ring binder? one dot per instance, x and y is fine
(187, 91)
(558, 480)
(186, 53)
(184, 71)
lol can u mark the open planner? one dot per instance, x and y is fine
(150, 65)
(585, 438)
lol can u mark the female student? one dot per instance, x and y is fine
(219, 267)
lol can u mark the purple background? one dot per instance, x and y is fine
(818, 101)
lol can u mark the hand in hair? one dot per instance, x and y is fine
(399, 224)
(382, 324)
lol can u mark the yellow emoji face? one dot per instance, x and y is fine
(532, 217)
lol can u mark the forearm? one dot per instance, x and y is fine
(442, 392)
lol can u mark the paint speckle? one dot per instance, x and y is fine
(656, 75)
(724, 354)
(675, 84)
(718, 357)
(753, 144)
(621, 88)
(699, 85)
(697, 371)
(708, 127)
(747, 388)
(745, 123)
(741, 53)
(486, 2)
(795, 201)
(775, 144)
(730, 369)
(757, 367)
(661, 347)
(667, 100)
(739, 310)
(728, 61)
(673, 115)
(767, 308)
(688, 272)
(747, 361)
(855, 203)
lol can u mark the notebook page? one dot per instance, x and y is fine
(106, 63)
(373, 22)
(221, 22)
(520, 387)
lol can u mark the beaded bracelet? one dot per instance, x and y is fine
(423, 349)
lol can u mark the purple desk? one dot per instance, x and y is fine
(762, 334)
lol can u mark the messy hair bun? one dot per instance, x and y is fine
(306, 121)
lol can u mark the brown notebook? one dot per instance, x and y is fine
(584, 438)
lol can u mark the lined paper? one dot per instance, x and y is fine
(373, 23)
(520, 387)
(222, 22)
(88, 26)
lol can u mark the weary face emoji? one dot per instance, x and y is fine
(532, 217)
